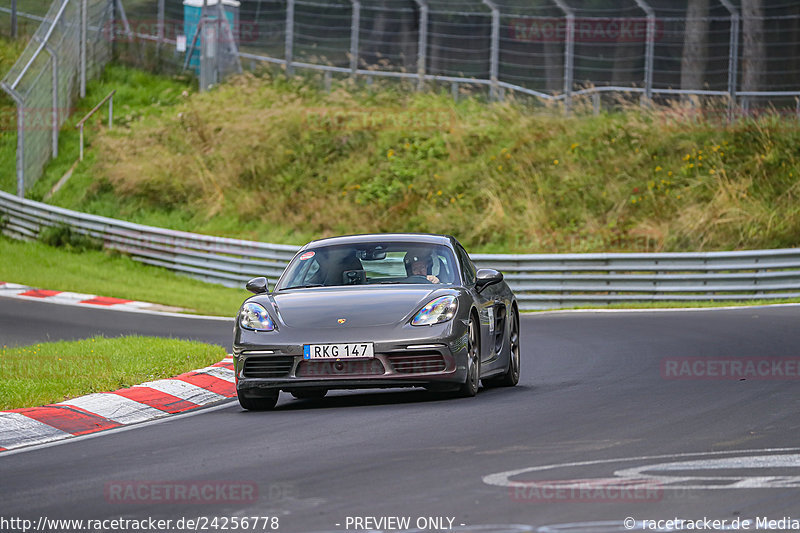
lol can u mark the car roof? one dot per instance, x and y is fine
(422, 238)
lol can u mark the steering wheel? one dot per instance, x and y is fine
(418, 279)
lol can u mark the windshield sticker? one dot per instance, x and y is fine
(307, 255)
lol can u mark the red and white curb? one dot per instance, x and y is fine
(14, 290)
(108, 410)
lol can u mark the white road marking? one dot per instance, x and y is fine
(743, 459)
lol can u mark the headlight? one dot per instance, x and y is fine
(254, 316)
(437, 311)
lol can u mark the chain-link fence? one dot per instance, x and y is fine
(68, 47)
(745, 54)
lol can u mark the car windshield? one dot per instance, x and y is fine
(371, 264)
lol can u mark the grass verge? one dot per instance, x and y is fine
(53, 372)
(268, 159)
(108, 274)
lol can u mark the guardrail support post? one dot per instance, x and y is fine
(355, 26)
(494, 59)
(422, 42)
(289, 45)
(733, 57)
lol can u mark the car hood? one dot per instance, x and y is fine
(359, 307)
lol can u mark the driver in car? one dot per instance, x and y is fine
(421, 266)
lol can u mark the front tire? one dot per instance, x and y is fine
(265, 403)
(470, 386)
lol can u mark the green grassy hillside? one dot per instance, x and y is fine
(266, 159)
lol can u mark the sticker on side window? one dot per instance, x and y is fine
(307, 255)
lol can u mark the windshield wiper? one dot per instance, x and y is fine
(305, 286)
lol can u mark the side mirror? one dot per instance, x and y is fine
(258, 285)
(486, 277)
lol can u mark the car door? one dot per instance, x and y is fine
(482, 302)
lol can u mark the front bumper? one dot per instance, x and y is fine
(437, 361)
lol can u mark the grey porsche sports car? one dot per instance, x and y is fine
(376, 311)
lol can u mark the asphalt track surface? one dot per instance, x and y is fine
(594, 403)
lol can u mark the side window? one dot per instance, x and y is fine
(467, 268)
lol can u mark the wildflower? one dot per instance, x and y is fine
(669, 173)
(407, 146)
(439, 192)
(691, 165)
(499, 167)
(658, 169)
(555, 161)
(452, 200)
(390, 154)
(573, 146)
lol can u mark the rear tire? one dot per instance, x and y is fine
(266, 403)
(469, 388)
(511, 376)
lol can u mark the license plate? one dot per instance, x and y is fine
(338, 351)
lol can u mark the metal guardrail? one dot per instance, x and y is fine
(541, 281)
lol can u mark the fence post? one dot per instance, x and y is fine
(13, 19)
(84, 24)
(18, 100)
(422, 43)
(355, 25)
(569, 53)
(54, 60)
(649, 48)
(289, 37)
(494, 61)
(161, 22)
(733, 57)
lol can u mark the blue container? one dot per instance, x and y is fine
(192, 9)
